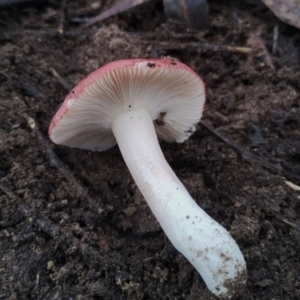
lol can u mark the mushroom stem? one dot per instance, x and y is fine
(204, 242)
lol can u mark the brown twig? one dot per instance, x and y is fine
(242, 152)
(287, 222)
(118, 7)
(246, 154)
(62, 19)
(202, 47)
(275, 39)
(62, 81)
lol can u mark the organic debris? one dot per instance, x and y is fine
(260, 49)
(190, 14)
(118, 7)
(288, 11)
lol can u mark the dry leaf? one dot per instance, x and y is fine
(288, 11)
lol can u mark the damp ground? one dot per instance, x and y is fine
(73, 224)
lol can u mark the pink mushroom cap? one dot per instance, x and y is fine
(82, 120)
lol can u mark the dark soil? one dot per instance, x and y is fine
(73, 224)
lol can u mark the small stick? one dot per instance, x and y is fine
(203, 47)
(62, 81)
(247, 155)
(288, 223)
(292, 186)
(242, 152)
(275, 39)
(4, 74)
(235, 49)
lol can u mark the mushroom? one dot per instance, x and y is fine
(133, 103)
